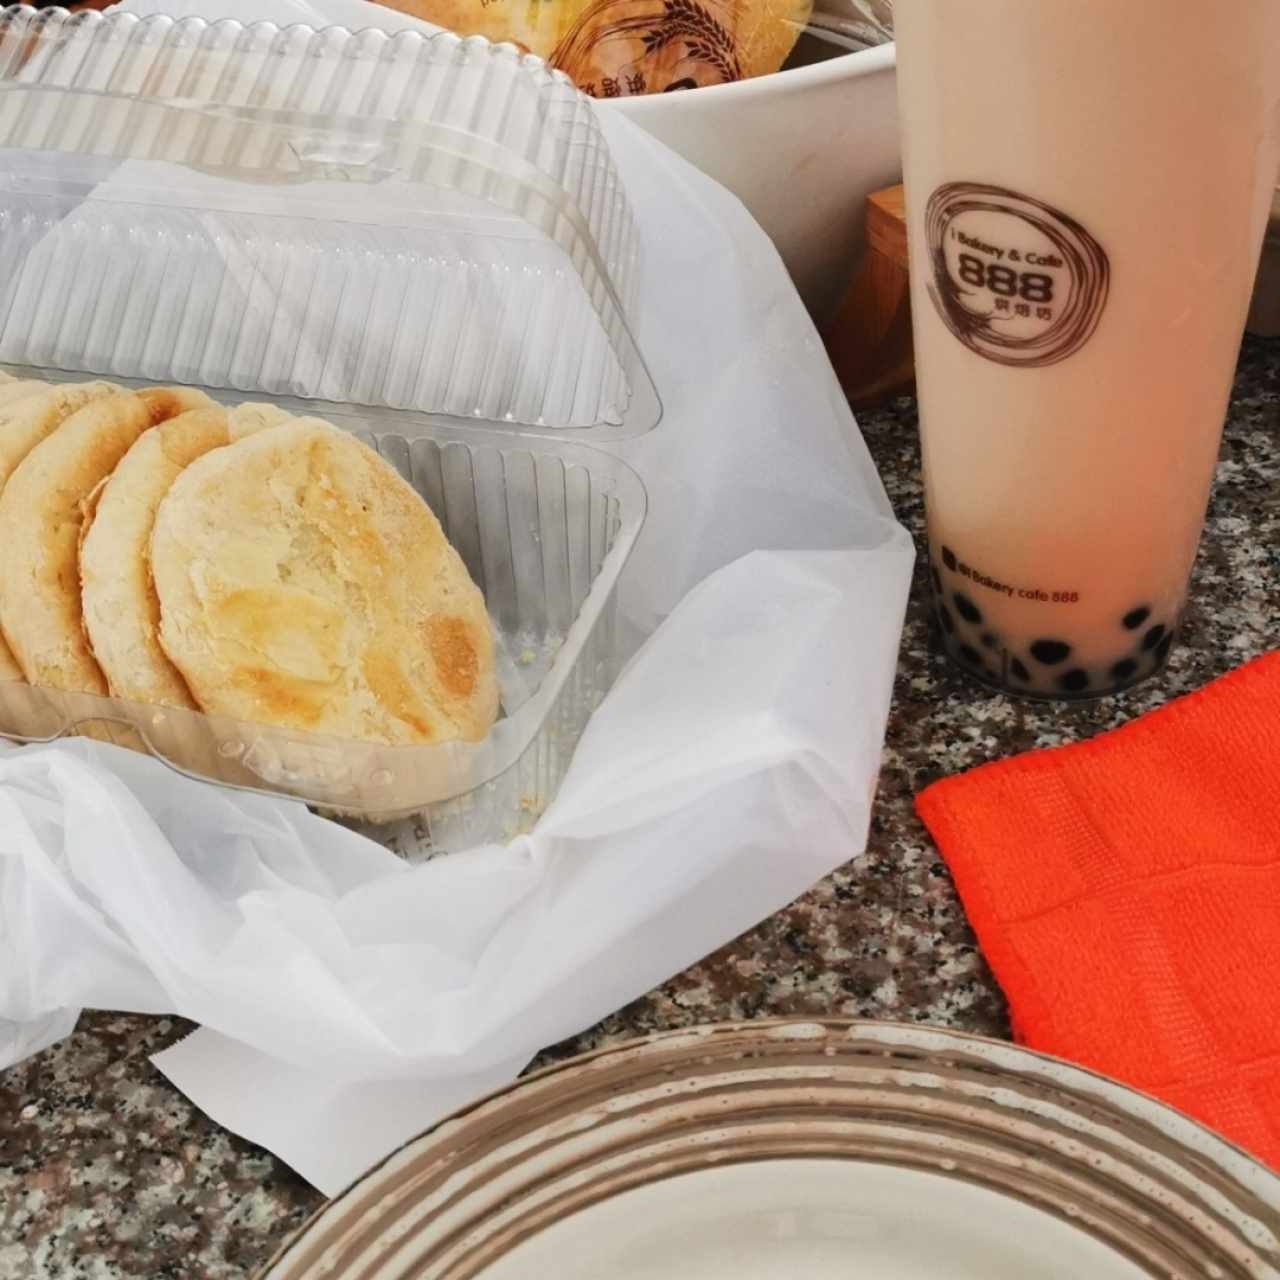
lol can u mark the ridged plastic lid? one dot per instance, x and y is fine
(415, 222)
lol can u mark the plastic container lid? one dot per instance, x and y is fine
(413, 222)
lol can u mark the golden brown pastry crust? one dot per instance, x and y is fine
(249, 417)
(29, 411)
(41, 511)
(19, 389)
(304, 583)
(121, 609)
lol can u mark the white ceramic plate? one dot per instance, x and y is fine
(780, 1151)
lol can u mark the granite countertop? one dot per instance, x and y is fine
(107, 1171)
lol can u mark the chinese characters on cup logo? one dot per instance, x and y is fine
(1015, 280)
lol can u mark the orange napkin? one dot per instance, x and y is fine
(1126, 893)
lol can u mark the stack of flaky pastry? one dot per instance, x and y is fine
(160, 548)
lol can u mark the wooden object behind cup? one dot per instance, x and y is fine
(869, 338)
(1264, 315)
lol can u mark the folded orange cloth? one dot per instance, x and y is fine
(1126, 894)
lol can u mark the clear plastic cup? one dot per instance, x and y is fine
(1088, 183)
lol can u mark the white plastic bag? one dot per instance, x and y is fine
(348, 999)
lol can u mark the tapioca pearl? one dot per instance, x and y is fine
(948, 622)
(1162, 649)
(970, 655)
(1019, 670)
(1154, 637)
(937, 578)
(1051, 652)
(1076, 681)
(1135, 618)
(949, 558)
(989, 641)
(967, 609)
(1125, 669)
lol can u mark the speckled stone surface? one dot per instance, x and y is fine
(107, 1172)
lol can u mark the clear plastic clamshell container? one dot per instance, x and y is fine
(421, 239)
(424, 223)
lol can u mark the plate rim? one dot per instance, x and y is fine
(1226, 1156)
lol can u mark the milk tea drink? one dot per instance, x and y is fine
(1088, 184)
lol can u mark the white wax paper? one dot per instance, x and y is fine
(347, 999)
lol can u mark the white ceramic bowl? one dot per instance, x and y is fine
(802, 149)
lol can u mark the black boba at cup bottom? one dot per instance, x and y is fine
(1045, 669)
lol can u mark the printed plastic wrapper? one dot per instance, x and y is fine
(854, 24)
(613, 48)
(349, 999)
(875, 17)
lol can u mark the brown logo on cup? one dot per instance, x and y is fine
(1014, 279)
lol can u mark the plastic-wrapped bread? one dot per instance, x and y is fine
(613, 48)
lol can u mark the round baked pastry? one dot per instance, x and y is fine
(121, 611)
(41, 511)
(303, 583)
(615, 48)
(26, 418)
